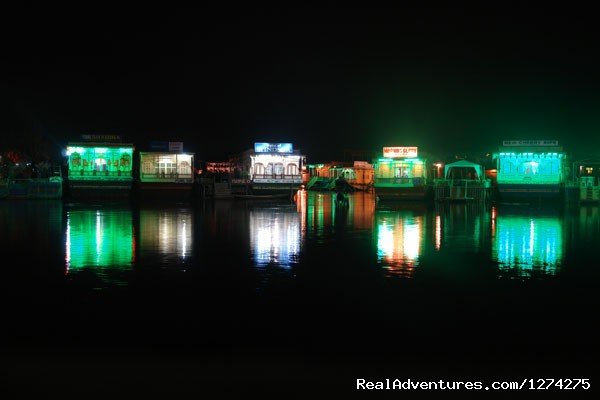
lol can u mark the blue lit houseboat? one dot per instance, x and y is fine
(272, 169)
(530, 170)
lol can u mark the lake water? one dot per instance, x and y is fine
(277, 295)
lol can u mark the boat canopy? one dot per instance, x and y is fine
(464, 165)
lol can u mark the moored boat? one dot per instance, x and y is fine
(100, 168)
(400, 175)
(530, 170)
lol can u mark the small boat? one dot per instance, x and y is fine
(341, 200)
(262, 196)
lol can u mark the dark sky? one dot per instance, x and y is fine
(448, 80)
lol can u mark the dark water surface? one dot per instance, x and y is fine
(237, 296)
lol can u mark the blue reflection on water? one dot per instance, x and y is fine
(527, 245)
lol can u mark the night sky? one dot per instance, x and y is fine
(448, 80)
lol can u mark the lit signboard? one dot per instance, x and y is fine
(273, 148)
(176, 147)
(101, 138)
(530, 143)
(397, 152)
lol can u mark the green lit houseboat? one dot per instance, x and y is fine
(530, 170)
(100, 169)
(166, 174)
(400, 174)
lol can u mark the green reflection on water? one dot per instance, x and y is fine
(99, 238)
(528, 244)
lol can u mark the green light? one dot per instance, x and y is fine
(99, 239)
(522, 170)
(101, 163)
(525, 244)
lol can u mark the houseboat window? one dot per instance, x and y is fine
(75, 160)
(279, 169)
(149, 167)
(125, 160)
(555, 166)
(292, 169)
(269, 169)
(100, 164)
(259, 169)
(531, 168)
(184, 168)
(166, 167)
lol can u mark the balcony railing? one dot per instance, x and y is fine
(401, 181)
(276, 176)
(165, 175)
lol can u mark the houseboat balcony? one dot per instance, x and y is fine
(171, 177)
(462, 190)
(99, 175)
(399, 182)
(401, 188)
(277, 178)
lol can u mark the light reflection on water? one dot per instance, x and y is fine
(166, 235)
(461, 227)
(100, 241)
(324, 215)
(525, 245)
(399, 236)
(275, 236)
(106, 242)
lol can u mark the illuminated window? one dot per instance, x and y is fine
(278, 169)
(292, 169)
(185, 168)
(259, 169)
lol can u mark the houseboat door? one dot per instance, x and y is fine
(401, 172)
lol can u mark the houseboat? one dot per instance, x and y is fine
(270, 170)
(585, 183)
(341, 175)
(530, 170)
(400, 174)
(41, 181)
(100, 167)
(463, 181)
(166, 174)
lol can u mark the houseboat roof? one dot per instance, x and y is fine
(530, 149)
(188, 153)
(464, 164)
(99, 144)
